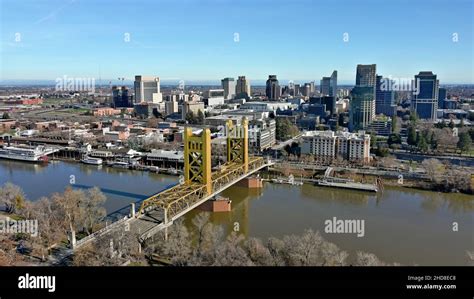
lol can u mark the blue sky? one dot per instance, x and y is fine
(297, 40)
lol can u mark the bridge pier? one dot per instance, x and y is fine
(132, 210)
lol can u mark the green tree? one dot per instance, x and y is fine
(464, 143)
(200, 117)
(285, 129)
(433, 141)
(190, 118)
(373, 139)
(421, 143)
(394, 138)
(411, 135)
(394, 123)
(413, 118)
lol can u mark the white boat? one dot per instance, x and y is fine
(154, 168)
(31, 154)
(93, 161)
(120, 164)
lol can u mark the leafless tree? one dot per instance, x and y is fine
(178, 245)
(434, 169)
(258, 253)
(368, 259)
(230, 252)
(93, 208)
(12, 197)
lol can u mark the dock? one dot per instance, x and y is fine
(348, 185)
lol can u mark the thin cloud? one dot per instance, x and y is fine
(54, 13)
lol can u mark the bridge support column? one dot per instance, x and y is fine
(197, 158)
(238, 143)
(132, 209)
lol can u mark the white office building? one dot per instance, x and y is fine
(147, 89)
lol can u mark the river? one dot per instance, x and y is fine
(402, 225)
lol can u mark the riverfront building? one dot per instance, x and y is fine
(329, 145)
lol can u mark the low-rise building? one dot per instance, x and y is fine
(262, 134)
(328, 145)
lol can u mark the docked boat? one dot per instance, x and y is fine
(92, 161)
(120, 164)
(30, 154)
(154, 169)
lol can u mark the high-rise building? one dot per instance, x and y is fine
(242, 88)
(442, 96)
(306, 89)
(425, 98)
(333, 85)
(121, 97)
(273, 90)
(147, 89)
(365, 75)
(328, 85)
(228, 84)
(362, 108)
(325, 86)
(327, 101)
(384, 97)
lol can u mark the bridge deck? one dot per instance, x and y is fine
(160, 210)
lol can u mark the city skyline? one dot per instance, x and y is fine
(49, 40)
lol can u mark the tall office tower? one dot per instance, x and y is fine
(297, 90)
(425, 98)
(325, 86)
(333, 85)
(147, 89)
(442, 96)
(242, 88)
(328, 85)
(365, 75)
(306, 89)
(121, 97)
(312, 88)
(362, 107)
(228, 84)
(273, 90)
(384, 97)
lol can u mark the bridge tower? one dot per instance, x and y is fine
(238, 143)
(197, 158)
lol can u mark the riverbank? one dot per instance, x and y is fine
(417, 220)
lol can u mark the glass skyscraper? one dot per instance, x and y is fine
(425, 97)
(384, 99)
(362, 105)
